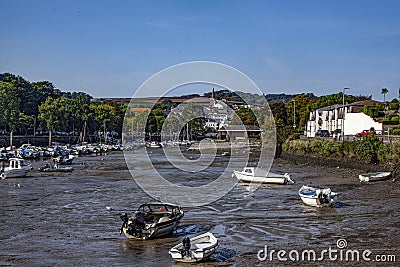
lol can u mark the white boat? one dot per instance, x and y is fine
(372, 177)
(249, 175)
(151, 220)
(318, 197)
(195, 249)
(17, 168)
(154, 144)
(66, 160)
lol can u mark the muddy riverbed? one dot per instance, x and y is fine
(62, 219)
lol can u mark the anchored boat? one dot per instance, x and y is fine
(195, 249)
(317, 197)
(249, 175)
(151, 220)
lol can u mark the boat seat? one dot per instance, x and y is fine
(164, 219)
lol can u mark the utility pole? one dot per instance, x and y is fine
(294, 113)
(344, 89)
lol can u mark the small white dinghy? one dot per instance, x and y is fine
(317, 197)
(372, 177)
(249, 175)
(195, 249)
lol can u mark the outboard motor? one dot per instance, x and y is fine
(125, 219)
(186, 247)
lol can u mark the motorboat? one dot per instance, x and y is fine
(249, 175)
(151, 220)
(318, 197)
(376, 176)
(15, 169)
(55, 168)
(195, 249)
(154, 144)
(65, 160)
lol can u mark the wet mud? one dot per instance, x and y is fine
(73, 219)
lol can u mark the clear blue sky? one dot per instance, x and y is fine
(108, 48)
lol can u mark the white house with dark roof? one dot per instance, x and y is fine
(336, 117)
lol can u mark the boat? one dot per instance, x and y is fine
(151, 220)
(249, 175)
(318, 197)
(65, 160)
(154, 144)
(376, 176)
(16, 168)
(195, 249)
(55, 168)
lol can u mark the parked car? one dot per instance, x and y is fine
(322, 133)
(363, 133)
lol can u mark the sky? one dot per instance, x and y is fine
(109, 48)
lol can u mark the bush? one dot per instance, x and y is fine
(395, 131)
(390, 122)
(393, 106)
(367, 148)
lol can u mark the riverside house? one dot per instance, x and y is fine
(350, 117)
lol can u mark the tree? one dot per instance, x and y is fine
(384, 91)
(9, 106)
(245, 116)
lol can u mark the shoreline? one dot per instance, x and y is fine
(340, 162)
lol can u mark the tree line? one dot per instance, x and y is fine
(39, 107)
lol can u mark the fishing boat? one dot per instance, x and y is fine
(249, 175)
(55, 168)
(151, 220)
(16, 168)
(195, 249)
(376, 176)
(317, 197)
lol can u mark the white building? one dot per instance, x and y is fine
(331, 118)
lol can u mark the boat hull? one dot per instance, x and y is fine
(201, 248)
(269, 179)
(153, 231)
(373, 177)
(317, 197)
(14, 173)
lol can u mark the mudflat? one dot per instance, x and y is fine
(62, 219)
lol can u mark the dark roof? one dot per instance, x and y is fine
(364, 102)
(239, 128)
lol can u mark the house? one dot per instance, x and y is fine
(239, 132)
(337, 117)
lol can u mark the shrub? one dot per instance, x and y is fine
(367, 148)
(390, 122)
(395, 131)
(393, 106)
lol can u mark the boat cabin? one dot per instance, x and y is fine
(16, 163)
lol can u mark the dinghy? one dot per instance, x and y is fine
(249, 175)
(317, 197)
(195, 249)
(372, 177)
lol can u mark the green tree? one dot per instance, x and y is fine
(9, 106)
(245, 116)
